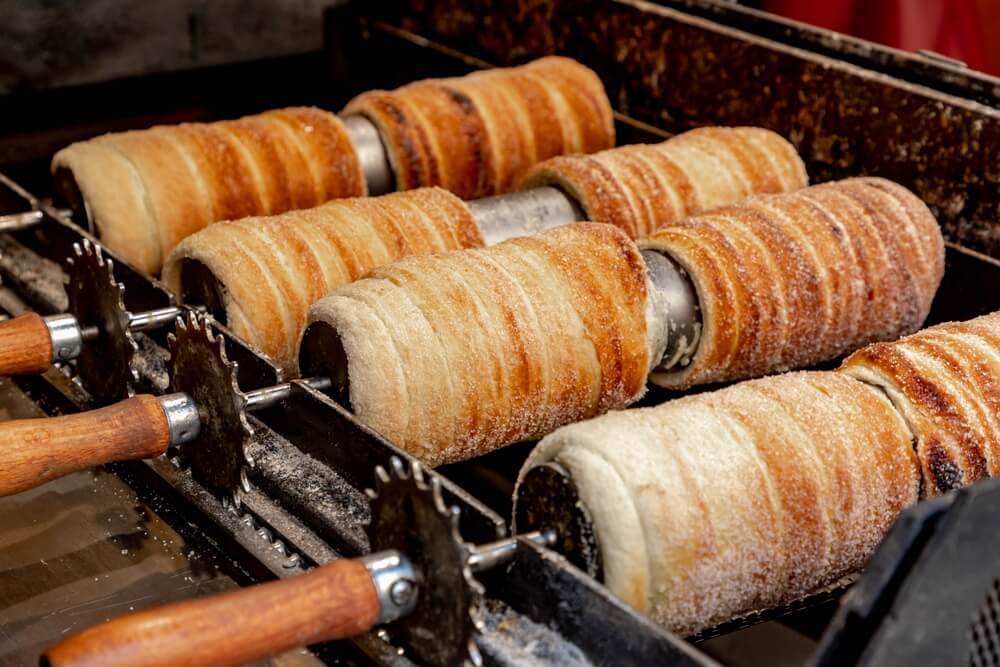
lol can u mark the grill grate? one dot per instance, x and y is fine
(984, 634)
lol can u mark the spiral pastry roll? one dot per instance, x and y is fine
(790, 280)
(643, 187)
(478, 134)
(147, 189)
(723, 503)
(454, 355)
(271, 269)
(945, 381)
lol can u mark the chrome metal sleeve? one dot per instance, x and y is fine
(182, 417)
(371, 152)
(395, 581)
(672, 313)
(67, 339)
(524, 213)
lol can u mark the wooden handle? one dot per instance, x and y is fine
(25, 345)
(34, 451)
(334, 601)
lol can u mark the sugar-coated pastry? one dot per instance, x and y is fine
(478, 134)
(945, 381)
(723, 503)
(146, 190)
(642, 187)
(271, 269)
(786, 281)
(454, 355)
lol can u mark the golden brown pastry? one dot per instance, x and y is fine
(477, 135)
(945, 381)
(790, 280)
(454, 355)
(719, 504)
(148, 189)
(272, 269)
(643, 187)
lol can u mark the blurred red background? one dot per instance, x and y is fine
(968, 30)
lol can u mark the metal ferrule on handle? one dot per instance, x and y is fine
(183, 420)
(66, 335)
(395, 582)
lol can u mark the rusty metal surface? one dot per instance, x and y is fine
(677, 71)
(921, 67)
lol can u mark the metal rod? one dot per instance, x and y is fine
(371, 152)
(89, 333)
(259, 399)
(673, 304)
(153, 319)
(13, 222)
(524, 213)
(497, 553)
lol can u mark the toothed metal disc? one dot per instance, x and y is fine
(409, 515)
(199, 367)
(95, 299)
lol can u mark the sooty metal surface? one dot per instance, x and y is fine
(677, 71)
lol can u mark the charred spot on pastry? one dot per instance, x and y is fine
(946, 474)
(322, 354)
(929, 394)
(461, 99)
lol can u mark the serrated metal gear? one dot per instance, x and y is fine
(105, 364)
(408, 514)
(200, 367)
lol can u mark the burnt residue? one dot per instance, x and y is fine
(676, 71)
(151, 363)
(38, 281)
(335, 509)
(511, 639)
(945, 473)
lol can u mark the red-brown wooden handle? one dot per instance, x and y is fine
(34, 451)
(335, 601)
(25, 345)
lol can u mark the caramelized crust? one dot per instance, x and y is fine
(478, 134)
(790, 280)
(723, 503)
(643, 187)
(147, 190)
(945, 381)
(271, 269)
(452, 356)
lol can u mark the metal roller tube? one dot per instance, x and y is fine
(524, 213)
(675, 307)
(371, 152)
